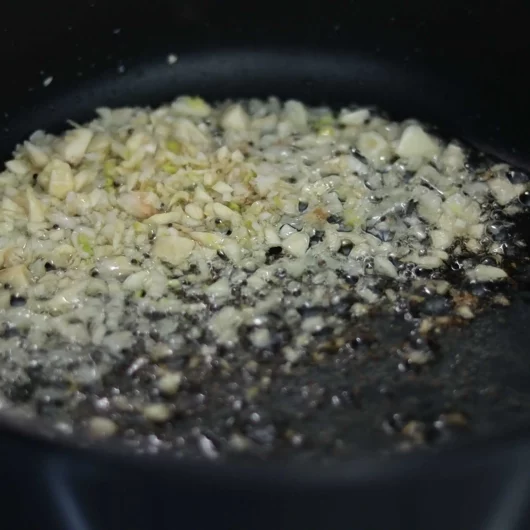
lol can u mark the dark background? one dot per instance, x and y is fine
(459, 64)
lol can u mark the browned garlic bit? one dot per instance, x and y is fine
(183, 226)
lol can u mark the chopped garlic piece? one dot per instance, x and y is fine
(173, 249)
(235, 118)
(261, 338)
(188, 133)
(296, 113)
(485, 273)
(296, 244)
(191, 106)
(224, 212)
(503, 190)
(84, 178)
(441, 239)
(453, 157)
(35, 207)
(65, 299)
(427, 262)
(136, 281)
(219, 289)
(194, 211)
(138, 204)
(232, 251)
(165, 218)
(38, 156)
(225, 323)
(373, 146)
(356, 117)
(18, 167)
(10, 207)
(102, 427)
(271, 237)
(73, 148)
(57, 178)
(157, 412)
(116, 267)
(14, 256)
(465, 312)
(415, 142)
(17, 276)
(169, 383)
(385, 266)
(210, 240)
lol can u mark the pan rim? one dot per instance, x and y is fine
(446, 460)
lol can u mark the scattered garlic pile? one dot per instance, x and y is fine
(212, 216)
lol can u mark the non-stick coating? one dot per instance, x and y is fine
(453, 64)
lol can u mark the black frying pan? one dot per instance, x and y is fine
(454, 65)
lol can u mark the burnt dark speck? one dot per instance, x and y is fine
(17, 301)
(317, 237)
(346, 248)
(408, 176)
(360, 157)
(350, 279)
(307, 312)
(274, 251)
(525, 198)
(334, 219)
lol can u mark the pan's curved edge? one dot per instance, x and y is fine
(111, 456)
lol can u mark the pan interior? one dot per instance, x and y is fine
(480, 380)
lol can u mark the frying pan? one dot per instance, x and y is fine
(456, 65)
